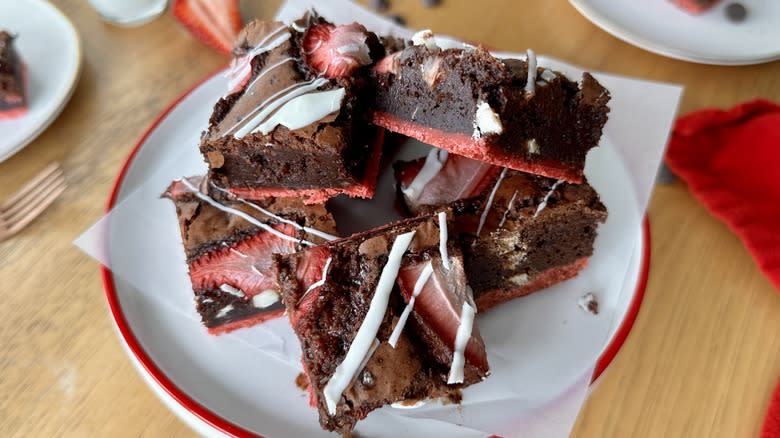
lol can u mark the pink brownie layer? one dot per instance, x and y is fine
(477, 149)
(542, 280)
(246, 322)
(319, 195)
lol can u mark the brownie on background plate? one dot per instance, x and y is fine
(13, 100)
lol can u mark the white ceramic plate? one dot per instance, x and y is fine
(50, 48)
(221, 385)
(708, 38)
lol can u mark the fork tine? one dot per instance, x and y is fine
(30, 202)
(33, 183)
(32, 193)
(38, 208)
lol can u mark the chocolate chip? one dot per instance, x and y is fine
(398, 19)
(665, 175)
(736, 12)
(379, 5)
(431, 3)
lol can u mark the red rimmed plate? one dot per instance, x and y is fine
(220, 385)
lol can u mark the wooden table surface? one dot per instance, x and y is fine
(701, 360)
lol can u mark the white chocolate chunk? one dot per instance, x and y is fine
(265, 299)
(486, 121)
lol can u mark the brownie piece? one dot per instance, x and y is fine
(229, 243)
(295, 119)
(519, 233)
(469, 102)
(383, 316)
(695, 6)
(13, 100)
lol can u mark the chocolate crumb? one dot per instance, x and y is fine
(589, 304)
(301, 382)
(399, 20)
(455, 397)
(736, 12)
(665, 175)
(379, 5)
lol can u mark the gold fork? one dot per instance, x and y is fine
(31, 200)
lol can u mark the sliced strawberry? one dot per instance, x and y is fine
(239, 73)
(308, 272)
(216, 23)
(440, 302)
(336, 51)
(245, 266)
(459, 178)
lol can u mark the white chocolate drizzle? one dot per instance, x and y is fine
(445, 258)
(462, 337)
(366, 334)
(304, 110)
(274, 102)
(508, 208)
(238, 253)
(270, 214)
(232, 290)
(434, 161)
(265, 299)
(548, 75)
(489, 202)
(425, 274)
(268, 69)
(486, 121)
(530, 85)
(319, 282)
(546, 198)
(237, 73)
(240, 214)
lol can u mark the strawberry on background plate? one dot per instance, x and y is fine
(216, 23)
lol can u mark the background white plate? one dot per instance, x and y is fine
(50, 48)
(708, 38)
(223, 384)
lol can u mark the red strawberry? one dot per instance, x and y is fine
(336, 51)
(214, 22)
(308, 272)
(245, 266)
(440, 302)
(460, 178)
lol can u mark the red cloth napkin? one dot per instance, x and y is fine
(731, 162)
(772, 423)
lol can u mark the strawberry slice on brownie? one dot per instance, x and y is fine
(215, 23)
(229, 244)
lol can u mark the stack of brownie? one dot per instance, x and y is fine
(499, 208)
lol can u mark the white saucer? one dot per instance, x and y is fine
(709, 38)
(50, 48)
